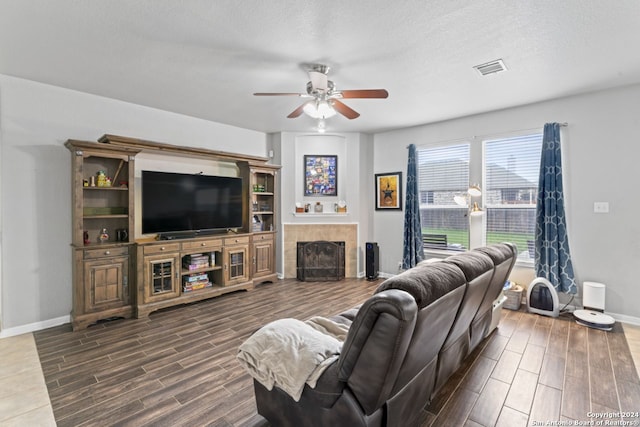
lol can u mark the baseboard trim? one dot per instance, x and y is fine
(33, 327)
(624, 318)
(37, 326)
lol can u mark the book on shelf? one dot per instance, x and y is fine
(191, 267)
(194, 258)
(196, 277)
(196, 285)
(195, 261)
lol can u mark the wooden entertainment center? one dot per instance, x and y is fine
(117, 275)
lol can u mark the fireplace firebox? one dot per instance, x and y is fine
(320, 261)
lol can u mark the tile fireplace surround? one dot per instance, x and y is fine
(294, 233)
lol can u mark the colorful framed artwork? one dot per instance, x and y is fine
(389, 191)
(320, 175)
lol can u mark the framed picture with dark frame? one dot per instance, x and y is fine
(320, 175)
(389, 191)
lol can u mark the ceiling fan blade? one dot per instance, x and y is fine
(277, 94)
(365, 93)
(346, 111)
(297, 112)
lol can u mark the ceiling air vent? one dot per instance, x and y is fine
(491, 67)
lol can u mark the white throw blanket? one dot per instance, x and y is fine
(290, 353)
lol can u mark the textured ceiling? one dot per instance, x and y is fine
(205, 58)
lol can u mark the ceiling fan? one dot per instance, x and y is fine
(326, 98)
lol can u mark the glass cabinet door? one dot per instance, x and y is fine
(162, 277)
(236, 265)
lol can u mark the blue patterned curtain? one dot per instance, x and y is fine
(552, 259)
(412, 252)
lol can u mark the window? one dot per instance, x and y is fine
(443, 173)
(511, 171)
(508, 169)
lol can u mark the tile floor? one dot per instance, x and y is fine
(24, 400)
(632, 333)
(23, 395)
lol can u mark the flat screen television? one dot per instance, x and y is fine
(175, 204)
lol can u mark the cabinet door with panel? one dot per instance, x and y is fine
(107, 283)
(263, 256)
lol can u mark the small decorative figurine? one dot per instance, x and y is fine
(104, 236)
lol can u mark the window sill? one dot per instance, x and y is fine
(441, 253)
(524, 263)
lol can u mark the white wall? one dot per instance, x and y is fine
(353, 151)
(35, 121)
(600, 156)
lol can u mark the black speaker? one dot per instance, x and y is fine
(372, 255)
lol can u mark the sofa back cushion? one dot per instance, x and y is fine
(426, 282)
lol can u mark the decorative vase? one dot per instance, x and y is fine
(104, 235)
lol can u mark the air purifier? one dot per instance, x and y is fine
(372, 261)
(542, 298)
(593, 303)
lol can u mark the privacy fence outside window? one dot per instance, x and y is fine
(509, 169)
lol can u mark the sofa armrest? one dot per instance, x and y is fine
(376, 345)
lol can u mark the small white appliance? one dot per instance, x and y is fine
(593, 303)
(542, 298)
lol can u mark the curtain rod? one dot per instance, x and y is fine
(562, 124)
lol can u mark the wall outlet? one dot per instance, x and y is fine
(601, 207)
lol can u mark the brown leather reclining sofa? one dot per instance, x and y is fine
(403, 344)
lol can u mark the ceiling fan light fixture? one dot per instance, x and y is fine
(319, 109)
(325, 99)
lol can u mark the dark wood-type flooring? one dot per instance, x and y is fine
(178, 367)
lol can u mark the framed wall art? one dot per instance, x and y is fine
(389, 191)
(320, 175)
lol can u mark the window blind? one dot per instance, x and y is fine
(511, 170)
(443, 173)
